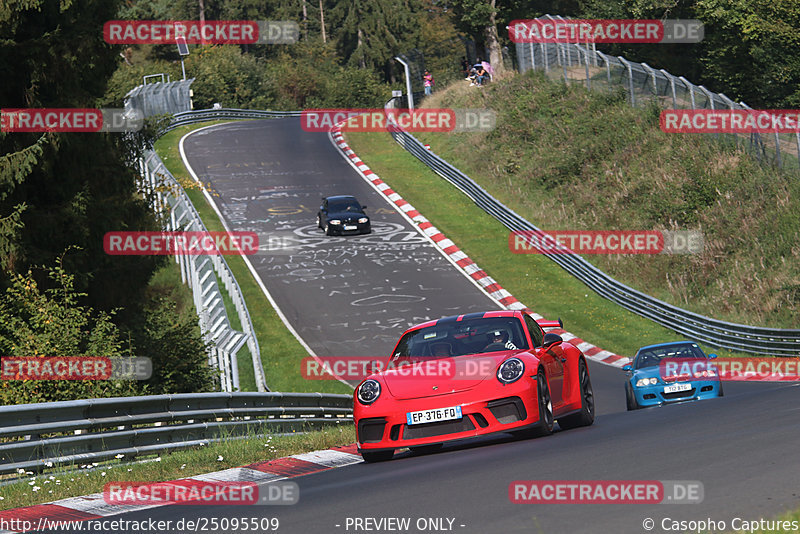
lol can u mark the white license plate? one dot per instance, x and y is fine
(350, 227)
(432, 416)
(674, 388)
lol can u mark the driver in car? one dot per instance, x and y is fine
(498, 340)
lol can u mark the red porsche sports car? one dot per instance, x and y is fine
(469, 375)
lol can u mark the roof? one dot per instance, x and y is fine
(468, 316)
(687, 342)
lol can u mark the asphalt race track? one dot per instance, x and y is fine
(345, 296)
(269, 176)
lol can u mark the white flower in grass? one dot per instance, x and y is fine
(21, 471)
(32, 482)
(58, 482)
(119, 456)
(220, 458)
(95, 464)
(36, 488)
(49, 464)
(129, 470)
(51, 491)
(158, 459)
(51, 477)
(28, 472)
(2, 498)
(72, 480)
(47, 482)
(103, 474)
(183, 466)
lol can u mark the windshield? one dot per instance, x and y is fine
(652, 356)
(457, 338)
(344, 205)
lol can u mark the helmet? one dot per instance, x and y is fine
(497, 335)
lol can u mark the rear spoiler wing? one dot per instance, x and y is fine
(544, 323)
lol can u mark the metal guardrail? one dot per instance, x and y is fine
(713, 332)
(191, 117)
(135, 426)
(203, 273)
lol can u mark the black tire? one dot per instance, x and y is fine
(328, 229)
(546, 420)
(585, 417)
(426, 449)
(630, 399)
(376, 456)
(319, 222)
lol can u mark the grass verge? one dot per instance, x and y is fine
(30, 490)
(535, 280)
(567, 158)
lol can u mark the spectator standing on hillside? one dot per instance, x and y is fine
(428, 83)
(465, 68)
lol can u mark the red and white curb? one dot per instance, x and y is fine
(487, 284)
(94, 506)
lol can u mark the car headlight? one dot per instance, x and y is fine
(369, 391)
(363, 220)
(335, 221)
(642, 382)
(510, 370)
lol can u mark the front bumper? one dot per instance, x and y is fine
(654, 395)
(360, 228)
(383, 425)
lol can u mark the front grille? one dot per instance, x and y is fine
(429, 430)
(371, 430)
(508, 410)
(679, 394)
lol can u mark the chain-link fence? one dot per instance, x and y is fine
(644, 85)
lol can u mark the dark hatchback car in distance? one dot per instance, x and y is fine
(343, 215)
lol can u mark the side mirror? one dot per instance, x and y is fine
(550, 340)
(712, 356)
(627, 368)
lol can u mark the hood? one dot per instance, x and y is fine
(430, 377)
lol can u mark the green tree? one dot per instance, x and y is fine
(40, 323)
(480, 18)
(370, 34)
(750, 50)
